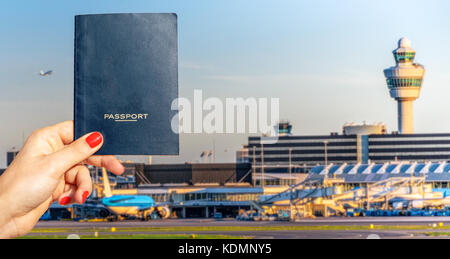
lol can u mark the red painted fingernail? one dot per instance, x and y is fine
(85, 195)
(65, 201)
(94, 139)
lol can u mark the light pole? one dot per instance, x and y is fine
(291, 191)
(290, 165)
(291, 213)
(262, 164)
(325, 143)
(254, 166)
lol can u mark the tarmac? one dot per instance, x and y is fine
(426, 225)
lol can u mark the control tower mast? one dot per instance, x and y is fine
(404, 82)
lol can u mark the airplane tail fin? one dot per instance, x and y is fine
(106, 186)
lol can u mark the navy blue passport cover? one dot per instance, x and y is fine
(126, 78)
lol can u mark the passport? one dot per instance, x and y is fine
(126, 78)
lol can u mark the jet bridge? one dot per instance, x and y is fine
(325, 196)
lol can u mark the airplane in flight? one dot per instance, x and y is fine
(47, 73)
(135, 206)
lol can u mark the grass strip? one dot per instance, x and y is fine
(236, 228)
(139, 236)
(437, 234)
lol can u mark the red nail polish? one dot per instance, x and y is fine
(84, 196)
(94, 139)
(65, 201)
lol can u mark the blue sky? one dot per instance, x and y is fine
(323, 59)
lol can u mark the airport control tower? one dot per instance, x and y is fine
(404, 82)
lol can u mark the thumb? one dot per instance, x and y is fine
(75, 153)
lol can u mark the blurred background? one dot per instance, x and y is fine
(322, 59)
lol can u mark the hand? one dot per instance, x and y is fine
(50, 167)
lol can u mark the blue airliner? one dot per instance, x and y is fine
(139, 206)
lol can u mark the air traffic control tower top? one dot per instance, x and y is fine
(405, 82)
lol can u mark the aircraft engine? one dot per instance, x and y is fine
(164, 212)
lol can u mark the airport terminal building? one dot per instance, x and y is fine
(357, 144)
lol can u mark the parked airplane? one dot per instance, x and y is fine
(139, 206)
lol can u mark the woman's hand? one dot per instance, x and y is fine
(50, 167)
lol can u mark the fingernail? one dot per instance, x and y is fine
(65, 201)
(84, 196)
(94, 139)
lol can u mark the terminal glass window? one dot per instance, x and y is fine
(404, 82)
(404, 57)
(217, 197)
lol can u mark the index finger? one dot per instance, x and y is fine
(111, 163)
